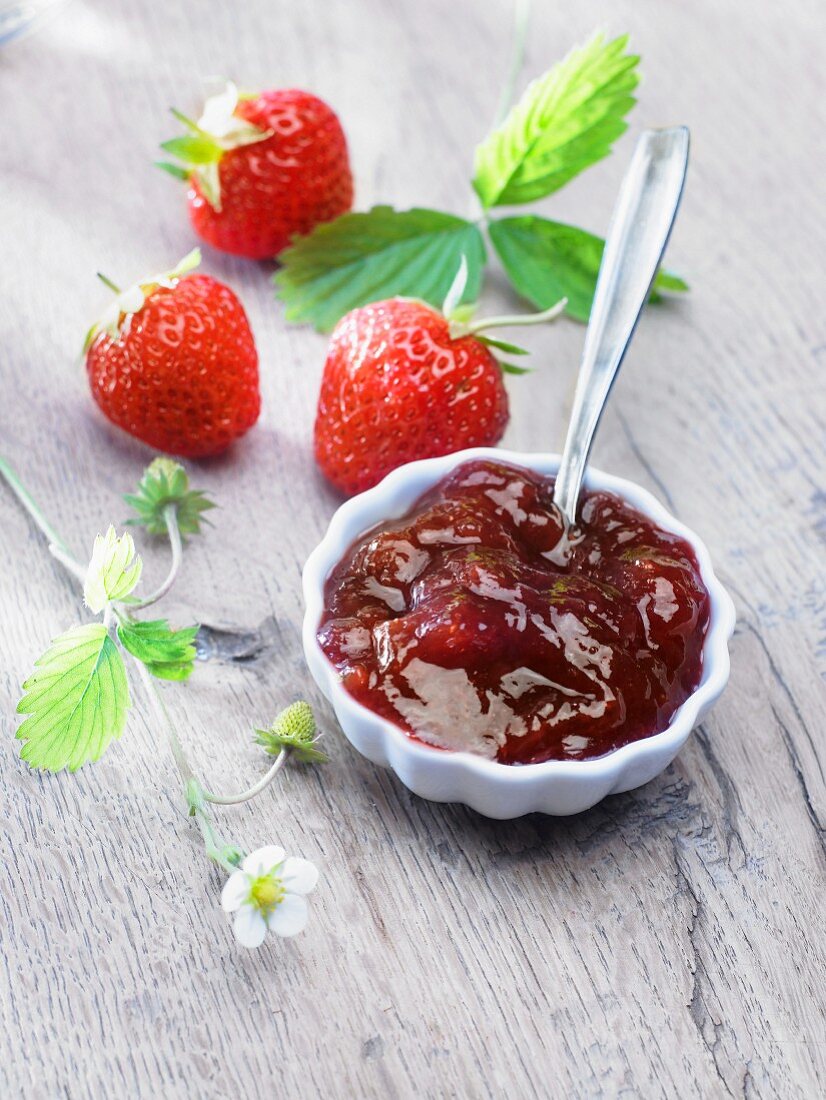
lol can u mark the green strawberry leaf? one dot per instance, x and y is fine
(566, 121)
(168, 654)
(546, 260)
(360, 258)
(165, 481)
(76, 700)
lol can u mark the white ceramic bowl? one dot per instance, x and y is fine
(503, 790)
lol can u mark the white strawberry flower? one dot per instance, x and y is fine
(267, 893)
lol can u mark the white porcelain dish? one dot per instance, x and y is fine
(501, 790)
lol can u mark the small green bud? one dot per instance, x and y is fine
(296, 722)
(165, 467)
(293, 729)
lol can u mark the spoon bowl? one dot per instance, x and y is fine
(503, 790)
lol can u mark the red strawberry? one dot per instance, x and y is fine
(262, 169)
(174, 363)
(396, 387)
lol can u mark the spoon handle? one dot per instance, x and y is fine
(640, 228)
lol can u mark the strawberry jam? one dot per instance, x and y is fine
(477, 623)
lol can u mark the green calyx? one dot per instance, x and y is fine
(131, 301)
(293, 729)
(461, 322)
(168, 654)
(200, 149)
(166, 482)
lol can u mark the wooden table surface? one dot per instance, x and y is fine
(669, 942)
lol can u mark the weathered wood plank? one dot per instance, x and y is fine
(669, 942)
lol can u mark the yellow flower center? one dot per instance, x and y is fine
(267, 891)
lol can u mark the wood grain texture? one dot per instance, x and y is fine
(668, 943)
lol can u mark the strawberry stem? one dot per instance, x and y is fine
(512, 320)
(56, 543)
(170, 516)
(193, 791)
(522, 13)
(251, 792)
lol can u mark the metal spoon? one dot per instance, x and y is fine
(640, 227)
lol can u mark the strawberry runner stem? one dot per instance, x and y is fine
(56, 543)
(251, 792)
(521, 19)
(170, 515)
(196, 796)
(216, 849)
(214, 846)
(67, 561)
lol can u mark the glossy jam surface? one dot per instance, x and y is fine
(473, 624)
